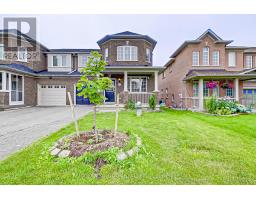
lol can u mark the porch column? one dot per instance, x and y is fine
(4, 81)
(156, 81)
(125, 82)
(237, 89)
(201, 94)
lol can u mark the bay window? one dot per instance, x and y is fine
(22, 54)
(206, 56)
(106, 55)
(127, 53)
(229, 92)
(137, 84)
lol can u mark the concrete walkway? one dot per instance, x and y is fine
(19, 128)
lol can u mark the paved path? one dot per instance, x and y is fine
(19, 128)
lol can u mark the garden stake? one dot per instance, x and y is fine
(73, 113)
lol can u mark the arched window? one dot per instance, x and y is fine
(127, 53)
(206, 56)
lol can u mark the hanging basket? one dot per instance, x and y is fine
(211, 84)
(226, 84)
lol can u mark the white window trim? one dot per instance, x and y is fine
(218, 53)
(106, 55)
(137, 77)
(13, 103)
(3, 58)
(26, 54)
(59, 58)
(198, 57)
(208, 60)
(229, 53)
(123, 53)
(251, 60)
(148, 55)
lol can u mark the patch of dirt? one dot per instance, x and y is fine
(86, 142)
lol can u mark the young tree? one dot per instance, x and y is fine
(93, 83)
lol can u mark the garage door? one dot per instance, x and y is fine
(52, 95)
(249, 97)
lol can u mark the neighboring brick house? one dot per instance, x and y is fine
(43, 76)
(197, 64)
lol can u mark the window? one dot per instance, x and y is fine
(148, 57)
(195, 89)
(64, 60)
(248, 61)
(232, 59)
(164, 75)
(106, 55)
(1, 52)
(1, 80)
(16, 88)
(22, 54)
(206, 56)
(137, 84)
(216, 58)
(59, 60)
(127, 53)
(229, 92)
(195, 58)
(83, 60)
(206, 90)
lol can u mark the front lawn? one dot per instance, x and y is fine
(181, 148)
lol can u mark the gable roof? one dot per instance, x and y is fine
(209, 32)
(127, 35)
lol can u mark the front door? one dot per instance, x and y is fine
(110, 94)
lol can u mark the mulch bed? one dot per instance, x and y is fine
(86, 142)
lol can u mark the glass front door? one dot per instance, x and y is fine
(110, 94)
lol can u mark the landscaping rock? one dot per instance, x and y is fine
(130, 152)
(55, 152)
(136, 149)
(138, 141)
(121, 156)
(64, 153)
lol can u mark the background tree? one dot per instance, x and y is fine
(93, 83)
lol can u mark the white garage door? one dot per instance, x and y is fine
(52, 95)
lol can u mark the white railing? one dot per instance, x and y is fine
(189, 103)
(143, 97)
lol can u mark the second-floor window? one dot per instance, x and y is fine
(148, 57)
(59, 61)
(127, 53)
(22, 54)
(106, 55)
(1, 51)
(232, 59)
(248, 61)
(206, 56)
(195, 58)
(216, 58)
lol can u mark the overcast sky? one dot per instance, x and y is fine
(83, 31)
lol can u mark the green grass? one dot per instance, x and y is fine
(182, 148)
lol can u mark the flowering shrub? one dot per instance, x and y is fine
(211, 84)
(226, 84)
(224, 107)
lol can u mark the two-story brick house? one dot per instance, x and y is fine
(208, 66)
(30, 77)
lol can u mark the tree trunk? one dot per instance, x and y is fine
(94, 124)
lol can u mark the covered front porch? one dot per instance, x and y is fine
(134, 83)
(231, 87)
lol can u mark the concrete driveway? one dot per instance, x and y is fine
(19, 128)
